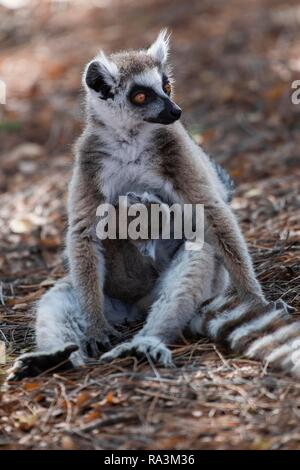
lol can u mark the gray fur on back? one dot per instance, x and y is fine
(225, 179)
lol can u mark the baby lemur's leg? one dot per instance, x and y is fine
(192, 278)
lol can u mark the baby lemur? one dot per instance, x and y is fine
(133, 142)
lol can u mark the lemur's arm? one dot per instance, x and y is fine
(196, 187)
(223, 232)
(86, 262)
(228, 239)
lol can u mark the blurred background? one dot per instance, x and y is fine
(234, 62)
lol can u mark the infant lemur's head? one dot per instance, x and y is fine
(132, 86)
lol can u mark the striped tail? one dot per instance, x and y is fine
(269, 334)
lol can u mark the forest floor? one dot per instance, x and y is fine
(234, 67)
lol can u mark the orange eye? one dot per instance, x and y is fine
(168, 88)
(139, 98)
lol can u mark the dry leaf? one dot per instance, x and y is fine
(31, 386)
(68, 443)
(26, 299)
(276, 91)
(82, 398)
(92, 416)
(110, 399)
(26, 422)
(21, 225)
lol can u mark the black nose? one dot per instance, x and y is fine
(168, 115)
(175, 112)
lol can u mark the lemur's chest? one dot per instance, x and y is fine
(129, 167)
(133, 168)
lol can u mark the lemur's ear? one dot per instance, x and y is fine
(160, 48)
(101, 75)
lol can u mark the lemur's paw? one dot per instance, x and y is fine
(100, 342)
(35, 363)
(280, 304)
(150, 347)
(144, 198)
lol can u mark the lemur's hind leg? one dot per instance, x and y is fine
(192, 278)
(59, 333)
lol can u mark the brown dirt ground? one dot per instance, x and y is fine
(234, 62)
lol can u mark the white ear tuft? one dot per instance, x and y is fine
(100, 72)
(160, 48)
(108, 68)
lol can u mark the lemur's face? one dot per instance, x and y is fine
(133, 86)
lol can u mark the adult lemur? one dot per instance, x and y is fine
(133, 142)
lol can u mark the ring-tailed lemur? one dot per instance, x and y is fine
(134, 142)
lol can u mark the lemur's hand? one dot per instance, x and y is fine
(148, 200)
(98, 339)
(144, 198)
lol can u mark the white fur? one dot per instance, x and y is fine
(160, 48)
(217, 323)
(295, 371)
(108, 66)
(277, 353)
(120, 174)
(293, 358)
(108, 69)
(60, 321)
(280, 335)
(150, 346)
(259, 344)
(254, 325)
(216, 304)
(294, 355)
(150, 78)
(197, 325)
(282, 350)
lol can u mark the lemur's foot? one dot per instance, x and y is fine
(142, 346)
(100, 342)
(35, 363)
(286, 307)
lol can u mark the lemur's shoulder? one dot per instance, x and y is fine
(89, 151)
(172, 144)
